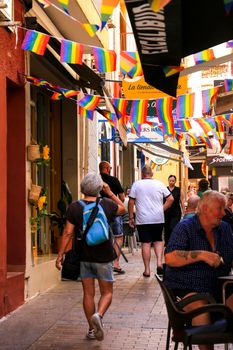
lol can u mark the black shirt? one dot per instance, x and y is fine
(113, 183)
(101, 253)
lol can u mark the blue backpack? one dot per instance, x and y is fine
(98, 231)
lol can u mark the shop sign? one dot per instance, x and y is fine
(139, 89)
(148, 134)
(220, 161)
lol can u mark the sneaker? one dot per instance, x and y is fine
(159, 271)
(90, 334)
(97, 324)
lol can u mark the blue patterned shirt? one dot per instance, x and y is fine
(200, 277)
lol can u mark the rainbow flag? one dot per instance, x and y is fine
(137, 70)
(171, 70)
(105, 60)
(185, 124)
(204, 56)
(44, 3)
(108, 115)
(208, 98)
(190, 140)
(205, 139)
(57, 96)
(127, 62)
(64, 4)
(91, 29)
(69, 93)
(228, 84)
(156, 5)
(106, 10)
(152, 164)
(89, 102)
(219, 120)
(207, 124)
(120, 105)
(231, 147)
(228, 6)
(164, 113)
(35, 42)
(138, 112)
(229, 44)
(71, 52)
(185, 105)
(86, 113)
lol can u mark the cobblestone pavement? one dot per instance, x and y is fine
(55, 320)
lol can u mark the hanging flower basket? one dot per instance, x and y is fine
(34, 194)
(33, 152)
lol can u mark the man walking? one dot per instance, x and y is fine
(148, 195)
(117, 225)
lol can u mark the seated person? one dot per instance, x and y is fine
(199, 251)
(192, 203)
(228, 217)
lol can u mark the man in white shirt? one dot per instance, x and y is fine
(148, 196)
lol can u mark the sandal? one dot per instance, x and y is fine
(146, 274)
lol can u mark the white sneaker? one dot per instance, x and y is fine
(90, 334)
(97, 324)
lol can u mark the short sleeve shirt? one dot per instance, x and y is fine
(113, 183)
(200, 277)
(101, 253)
(149, 195)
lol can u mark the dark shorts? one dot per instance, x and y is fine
(117, 226)
(150, 233)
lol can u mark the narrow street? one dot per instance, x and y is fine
(55, 320)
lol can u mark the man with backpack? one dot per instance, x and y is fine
(117, 224)
(95, 258)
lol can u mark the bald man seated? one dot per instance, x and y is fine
(192, 203)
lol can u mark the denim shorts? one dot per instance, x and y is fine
(102, 271)
(117, 226)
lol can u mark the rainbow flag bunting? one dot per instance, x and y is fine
(228, 84)
(152, 164)
(105, 60)
(44, 3)
(207, 124)
(106, 11)
(190, 140)
(228, 6)
(136, 71)
(91, 29)
(127, 62)
(86, 113)
(204, 56)
(205, 139)
(208, 98)
(71, 52)
(120, 105)
(138, 112)
(64, 4)
(108, 115)
(219, 120)
(164, 113)
(231, 147)
(185, 124)
(185, 105)
(89, 102)
(35, 42)
(229, 44)
(156, 5)
(171, 70)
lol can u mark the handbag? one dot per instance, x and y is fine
(71, 264)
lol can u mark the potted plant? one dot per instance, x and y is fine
(39, 154)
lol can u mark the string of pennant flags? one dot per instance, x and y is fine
(105, 60)
(134, 113)
(107, 7)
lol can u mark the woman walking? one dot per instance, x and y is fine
(96, 261)
(173, 214)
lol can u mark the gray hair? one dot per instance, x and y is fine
(192, 202)
(147, 171)
(208, 197)
(91, 184)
